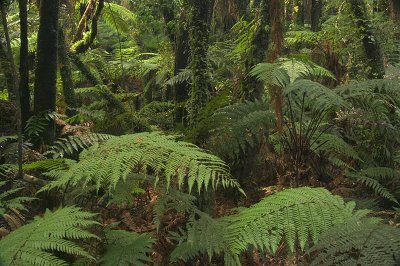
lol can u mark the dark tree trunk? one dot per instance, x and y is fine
(66, 73)
(252, 88)
(300, 14)
(181, 50)
(394, 11)
(24, 63)
(316, 15)
(199, 28)
(46, 68)
(370, 43)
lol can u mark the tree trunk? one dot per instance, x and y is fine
(252, 88)
(181, 50)
(46, 68)
(24, 63)
(316, 14)
(199, 28)
(66, 73)
(6, 57)
(371, 46)
(15, 85)
(394, 11)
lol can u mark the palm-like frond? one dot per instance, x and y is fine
(38, 243)
(162, 156)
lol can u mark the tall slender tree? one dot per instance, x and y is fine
(199, 30)
(24, 62)
(66, 73)
(252, 88)
(46, 68)
(371, 45)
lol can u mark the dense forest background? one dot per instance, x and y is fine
(199, 132)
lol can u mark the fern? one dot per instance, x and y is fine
(126, 248)
(9, 198)
(173, 200)
(372, 177)
(358, 243)
(162, 156)
(315, 95)
(38, 243)
(48, 165)
(240, 127)
(118, 17)
(36, 124)
(73, 144)
(294, 217)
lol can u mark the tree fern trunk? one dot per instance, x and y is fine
(46, 68)
(394, 11)
(66, 73)
(370, 43)
(198, 41)
(252, 88)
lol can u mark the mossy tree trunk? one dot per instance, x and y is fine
(6, 57)
(371, 45)
(66, 73)
(251, 87)
(199, 29)
(24, 62)
(46, 68)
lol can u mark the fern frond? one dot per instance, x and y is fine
(296, 217)
(126, 248)
(240, 127)
(9, 198)
(73, 144)
(358, 243)
(371, 178)
(316, 96)
(162, 156)
(118, 17)
(38, 242)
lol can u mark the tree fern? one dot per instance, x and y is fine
(373, 178)
(9, 198)
(162, 156)
(358, 243)
(125, 248)
(118, 17)
(38, 243)
(74, 144)
(240, 127)
(294, 217)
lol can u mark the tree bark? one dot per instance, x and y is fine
(252, 88)
(199, 28)
(316, 14)
(24, 63)
(66, 73)
(7, 57)
(394, 11)
(370, 43)
(46, 68)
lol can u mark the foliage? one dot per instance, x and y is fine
(43, 240)
(9, 198)
(73, 144)
(154, 153)
(126, 248)
(364, 242)
(296, 217)
(241, 127)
